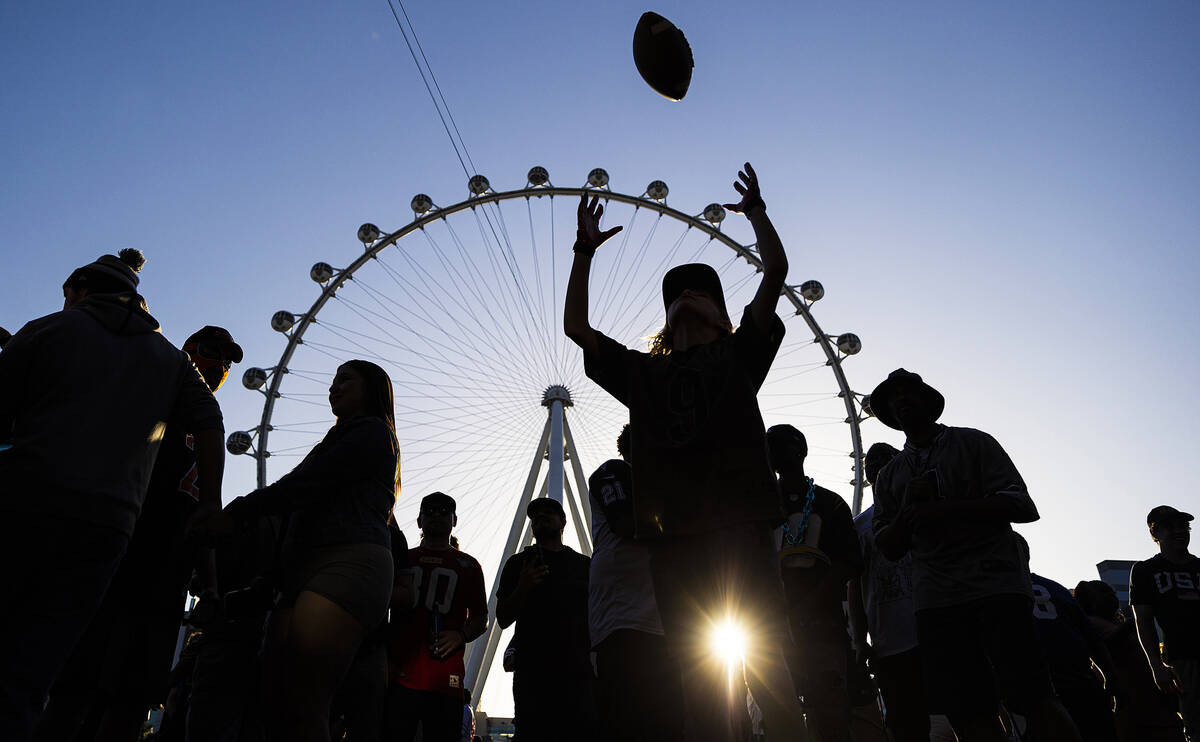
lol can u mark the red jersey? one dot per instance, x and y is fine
(449, 589)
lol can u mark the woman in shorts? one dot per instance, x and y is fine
(335, 576)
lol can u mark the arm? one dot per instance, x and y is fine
(1143, 616)
(450, 641)
(511, 602)
(403, 596)
(353, 456)
(770, 247)
(588, 237)
(858, 619)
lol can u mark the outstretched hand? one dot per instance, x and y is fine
(589, 232)
(749, 192)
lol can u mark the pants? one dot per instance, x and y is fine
(553, 703)
(638, 692)
(440, 715)
(225, 703)
(701, 579)
(901, 685)
(1188, 671)
(57, 571)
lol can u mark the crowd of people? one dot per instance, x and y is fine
(917, 620)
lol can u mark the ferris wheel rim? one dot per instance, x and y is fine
(855, 411)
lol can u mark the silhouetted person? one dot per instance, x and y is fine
(638, 695)
(950, 497)
(429, 639)
(337, 579)
(1143, 713)
(1166, 589)
(119, 669)
(225, 703)
(819, 554)
(85, 396)
(1071, 646)
(707, 500)
(362, 699)
(881, 603)
(544, 590)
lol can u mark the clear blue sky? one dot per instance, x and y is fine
(1000, 197)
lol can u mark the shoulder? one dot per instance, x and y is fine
(611, 469)
(971, 436)
(468, 562)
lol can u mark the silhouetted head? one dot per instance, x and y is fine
(437, 517)
(109, 274)
(692, 295)
(1099, 599)
(623, 443)
(786, 447)
(1170, 527)
(1022, 546)
(904, 402)
(213, 351)
(878, 456)
(547, 519)
(362, 388)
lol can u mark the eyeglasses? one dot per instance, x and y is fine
(436, 510)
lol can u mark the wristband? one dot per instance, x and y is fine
(753, 203)
(583, 248)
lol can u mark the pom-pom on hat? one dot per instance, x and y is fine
(109, 274)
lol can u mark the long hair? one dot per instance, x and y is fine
(380, 402)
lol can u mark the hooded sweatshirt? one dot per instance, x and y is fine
(85, 395)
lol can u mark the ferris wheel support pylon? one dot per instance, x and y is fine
(556, 446)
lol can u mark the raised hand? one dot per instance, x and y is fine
(751, 196)
(589, 233)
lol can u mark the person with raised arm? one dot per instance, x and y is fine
(705, 498)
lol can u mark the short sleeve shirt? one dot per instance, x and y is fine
(887, 594)
(813, 595)
(620, 591)
(1064, 633)
(970, 560)
(449, 589)
(1173, 590)
(697, 434)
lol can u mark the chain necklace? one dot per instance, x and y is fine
(790, 538)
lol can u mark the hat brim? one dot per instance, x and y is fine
(881, 399)
(544, 504)
(695, 276)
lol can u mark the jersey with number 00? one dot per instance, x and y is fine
(449, 583)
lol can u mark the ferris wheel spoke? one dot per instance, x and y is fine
(617, 262)
(515, 289)
(652, 277)
(428, 297)
(445, 361)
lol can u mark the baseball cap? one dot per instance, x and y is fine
(215, 343)
(1166, 514)
(438, 498)
(542, 504)
(697, 276)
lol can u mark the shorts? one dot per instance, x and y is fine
(357, 577)
(978, 652)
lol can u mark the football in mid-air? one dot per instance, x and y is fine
(663, 56)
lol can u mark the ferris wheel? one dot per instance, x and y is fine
(462, 306)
